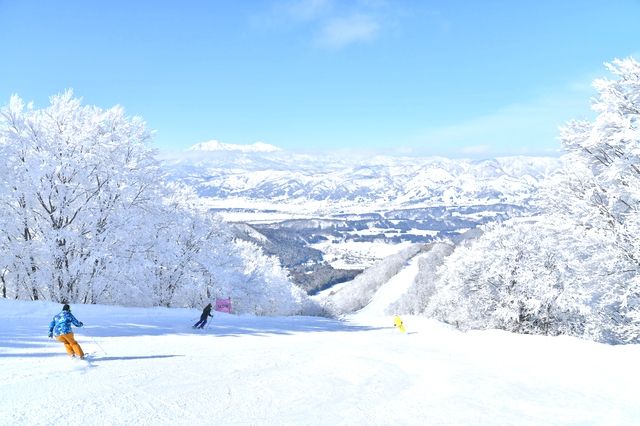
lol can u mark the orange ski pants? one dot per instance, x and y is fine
(70, 344)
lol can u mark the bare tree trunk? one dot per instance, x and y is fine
(34, 293)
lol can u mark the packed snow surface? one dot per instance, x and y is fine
(150, 367)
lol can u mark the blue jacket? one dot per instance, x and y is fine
(61, 323)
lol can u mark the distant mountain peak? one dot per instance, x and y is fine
(214, 145)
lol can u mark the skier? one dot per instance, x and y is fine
(206, 312)
(61, 327)
(397, 322)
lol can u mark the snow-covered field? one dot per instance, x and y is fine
(356, 255)
(251, 210)
(150, 367)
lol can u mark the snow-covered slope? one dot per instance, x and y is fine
(393, 289)
(151, 368)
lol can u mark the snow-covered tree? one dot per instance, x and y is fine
(265, 287)
(74, 177)
(415, 300)
(517, 276)
(599, 192)
(86, 217)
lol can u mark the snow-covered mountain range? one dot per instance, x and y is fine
(254, 174)
(327, 217)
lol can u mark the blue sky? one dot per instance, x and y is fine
(454, 78)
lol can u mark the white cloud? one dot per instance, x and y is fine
(340, 32)
(306, 10)
(332, 24)
(475, 149)
(526, 127)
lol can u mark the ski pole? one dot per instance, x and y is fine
(94, 341)
(209, 322)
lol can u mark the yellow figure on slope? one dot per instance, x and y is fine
(397, 322)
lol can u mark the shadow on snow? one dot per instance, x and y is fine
(128, 358)
(21, 336)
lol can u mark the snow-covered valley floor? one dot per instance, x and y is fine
(151, 368)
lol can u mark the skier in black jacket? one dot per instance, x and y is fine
(206, 312)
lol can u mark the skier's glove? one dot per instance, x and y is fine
(50, 335)
(81, 324)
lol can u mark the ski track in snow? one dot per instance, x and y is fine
(245, 370)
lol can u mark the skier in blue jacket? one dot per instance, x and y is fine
(61, 327)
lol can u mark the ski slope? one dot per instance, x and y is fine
(393, 289)
(151, 368)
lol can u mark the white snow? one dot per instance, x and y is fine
(393, 289)
(152, 368)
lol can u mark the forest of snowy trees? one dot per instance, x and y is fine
(87, 217)
(575, 268)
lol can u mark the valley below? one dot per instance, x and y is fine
(328, 218)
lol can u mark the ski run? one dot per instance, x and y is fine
(147, 366)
